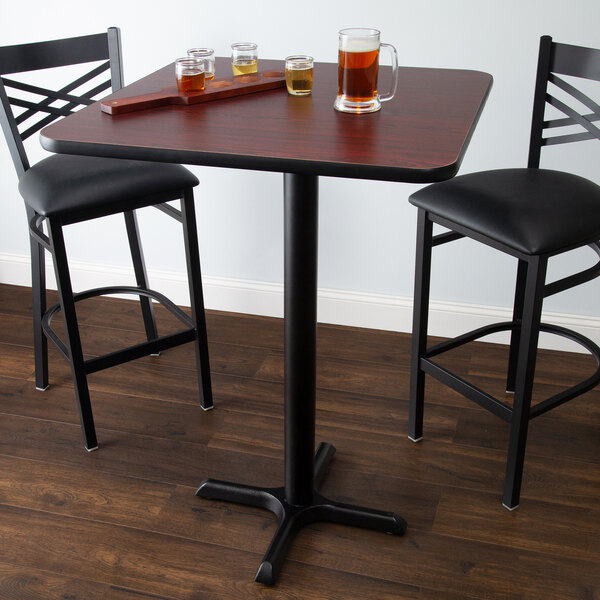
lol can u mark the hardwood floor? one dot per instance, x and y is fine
(123, 522)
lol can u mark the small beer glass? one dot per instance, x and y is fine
(299, 74)
(244, 58)
(189, 72)
(358, 68)
(208, 56)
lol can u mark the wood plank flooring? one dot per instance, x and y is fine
(123, 523)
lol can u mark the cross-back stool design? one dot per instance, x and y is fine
(532, 214)
(62, 190)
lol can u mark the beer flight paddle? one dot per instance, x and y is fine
(216, 89)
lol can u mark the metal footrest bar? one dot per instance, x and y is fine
(293, 517)
(465, 338)
(467, 389)
(137, 291)
(137, 351)
(584, 386)
(105, 291)
(51, 335)
(487, 401)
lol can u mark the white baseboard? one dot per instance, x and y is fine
(342, 307)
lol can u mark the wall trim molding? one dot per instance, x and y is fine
(342, 307)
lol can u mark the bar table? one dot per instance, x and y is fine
(420, 136)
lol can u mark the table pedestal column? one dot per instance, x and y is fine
(298, 503)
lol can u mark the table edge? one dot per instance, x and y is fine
(274, 164)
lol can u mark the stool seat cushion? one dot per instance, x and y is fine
(534, 211)
(63, 183)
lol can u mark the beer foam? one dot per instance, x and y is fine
(359, 43)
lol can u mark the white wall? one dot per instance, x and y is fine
(366, 228)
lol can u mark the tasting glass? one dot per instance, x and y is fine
(189, 72)
(358, 69)
(208, 56)
(244, 58)
(299, 71)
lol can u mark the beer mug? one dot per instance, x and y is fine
(358, 67)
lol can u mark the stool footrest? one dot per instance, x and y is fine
(467, 389)
(487, 401)
(136, 351)
(139, 350)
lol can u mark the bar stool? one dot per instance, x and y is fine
(532, 214)
(62, 190)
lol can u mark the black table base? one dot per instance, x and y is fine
(298, 502)
(292, 517)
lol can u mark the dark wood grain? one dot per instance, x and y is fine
(420, 135)
(29, 583)
(123, 522)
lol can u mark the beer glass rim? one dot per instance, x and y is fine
(299, 57)
(244, 46)
(360, 31)
(190, 61)
(202, 51)
(298, 62)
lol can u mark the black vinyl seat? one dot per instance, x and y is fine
(62, 190)
(531, 214)
(534, 211)
(62, 184)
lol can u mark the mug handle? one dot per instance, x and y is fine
(394, 54)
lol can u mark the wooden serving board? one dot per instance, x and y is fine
(216, 89)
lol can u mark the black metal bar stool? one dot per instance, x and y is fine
(532, 214)
(62, 190)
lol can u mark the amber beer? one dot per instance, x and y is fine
(357, 75)
(207, 55)
(358, 67)
(189, 74)
(191, 83)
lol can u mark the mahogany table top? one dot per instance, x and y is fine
(421, 135)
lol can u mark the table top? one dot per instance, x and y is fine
(420, 135)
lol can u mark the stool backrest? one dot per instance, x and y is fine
(53, 104)
(563, 59)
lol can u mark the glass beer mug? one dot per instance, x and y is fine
(358, 68)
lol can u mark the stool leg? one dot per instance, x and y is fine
(533, 298)
(67, 303)
(420, 320)
(38, 292)
(192, 255)
(513, 355)
(139, 267)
